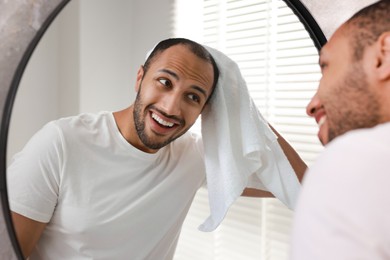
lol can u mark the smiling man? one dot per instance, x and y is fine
(344, 207)
(119, 185)
(171, 93)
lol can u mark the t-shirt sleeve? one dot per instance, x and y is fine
(33, 177)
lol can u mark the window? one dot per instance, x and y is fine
(280, 65)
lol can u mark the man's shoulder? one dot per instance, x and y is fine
(84, 128)
(356, 153)
(85, 118)
(84, 121)
(362, 140)
(188, 138)
(188, 141)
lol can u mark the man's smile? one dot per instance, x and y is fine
(162, 121)
(321, 121)
(323, 129)
(161, 124)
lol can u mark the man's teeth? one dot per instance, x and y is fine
(161, 121)
(322, 121)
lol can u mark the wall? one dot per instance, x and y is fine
(36, 100)
(87, 62)
(105, 45)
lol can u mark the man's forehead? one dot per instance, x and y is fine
(180, 60)
(181, 55)
(336, 43)
(178, 49)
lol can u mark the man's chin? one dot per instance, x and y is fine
(323, 135)
(323, 141)
(154, 145)
(155, 141)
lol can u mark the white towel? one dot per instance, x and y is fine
(240, 148)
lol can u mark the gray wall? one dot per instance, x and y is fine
(87, 62)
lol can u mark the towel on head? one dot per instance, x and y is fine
(240, 148)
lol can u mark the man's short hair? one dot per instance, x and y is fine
(367, 25)
(194, 47)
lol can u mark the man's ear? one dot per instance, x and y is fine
(140, 75)
(384, 64)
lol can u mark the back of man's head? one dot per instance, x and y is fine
(367, 25)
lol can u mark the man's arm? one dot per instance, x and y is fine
(293, 157)
(27, 231)
(295, 160)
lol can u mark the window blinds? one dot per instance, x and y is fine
(280, 65)
(278, 60)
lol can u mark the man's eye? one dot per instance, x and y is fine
(323, 65)
(165, 82)
(194, 97)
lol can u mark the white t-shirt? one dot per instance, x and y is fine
(103, 198)
(344, 208)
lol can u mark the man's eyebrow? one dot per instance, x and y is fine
(321, 55)
(173, 74)
(201, 90)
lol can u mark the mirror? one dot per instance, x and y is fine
(28, 38)
(22, 26)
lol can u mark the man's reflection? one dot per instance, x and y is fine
(118, 185)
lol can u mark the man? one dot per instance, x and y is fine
(119, 185)
(344, 207)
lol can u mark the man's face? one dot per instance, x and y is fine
(345, 99)
(171, 95)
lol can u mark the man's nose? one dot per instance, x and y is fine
(313, 106)
(172, 104)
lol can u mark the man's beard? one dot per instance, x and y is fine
(139, 121)
(365, 112)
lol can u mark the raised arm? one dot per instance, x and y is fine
(295, 160)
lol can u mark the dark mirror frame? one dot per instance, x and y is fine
(13, 62)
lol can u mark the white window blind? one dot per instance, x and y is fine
(280, 65)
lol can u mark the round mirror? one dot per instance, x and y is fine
(86, 37)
